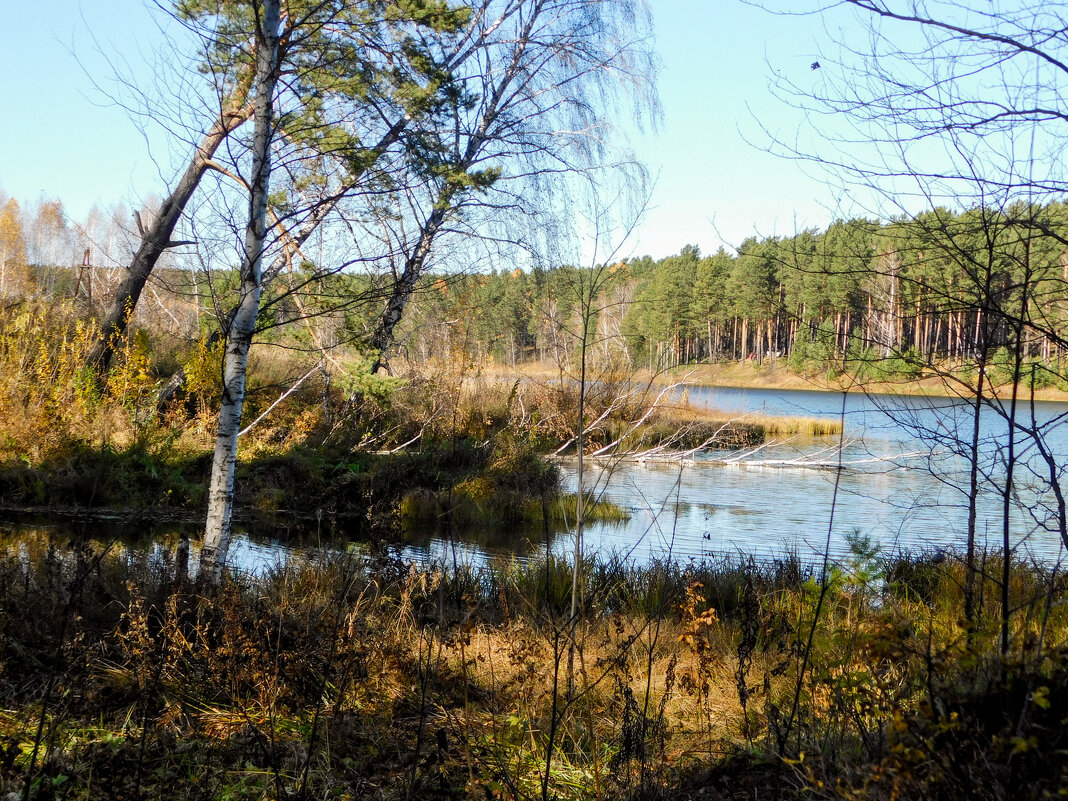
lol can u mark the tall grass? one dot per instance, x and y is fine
(367, 676)
(805, 426)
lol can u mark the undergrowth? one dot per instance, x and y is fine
(361, 676)
(436, 444)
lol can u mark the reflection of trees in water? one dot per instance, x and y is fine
(902, 483)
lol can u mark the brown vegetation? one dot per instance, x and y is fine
(363, 677)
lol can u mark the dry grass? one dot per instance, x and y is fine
(803, 426)
(356, 677)
(638, 416)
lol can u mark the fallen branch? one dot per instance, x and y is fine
(281, 398)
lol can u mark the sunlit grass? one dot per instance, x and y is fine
(804, 426)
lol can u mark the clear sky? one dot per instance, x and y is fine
(61, 137)
(716, 184)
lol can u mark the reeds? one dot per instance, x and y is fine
(804, 426)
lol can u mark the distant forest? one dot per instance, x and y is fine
(892, 297)
(887, 299)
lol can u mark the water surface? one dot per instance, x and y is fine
(898, 474)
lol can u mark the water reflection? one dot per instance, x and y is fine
(266, 541)
(904, 478)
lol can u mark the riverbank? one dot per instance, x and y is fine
(363, 677)
(478, 453)
(439, 443)
(775, 374)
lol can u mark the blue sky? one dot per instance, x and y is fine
(716, 184)
(62, 138)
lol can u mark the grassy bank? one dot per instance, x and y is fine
(630, 414)
(778, 374)
(441, 441)
(371, 678)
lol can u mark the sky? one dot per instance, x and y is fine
(717, 184)
(714, 183)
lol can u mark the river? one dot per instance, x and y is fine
(896, 476)
(902, 482)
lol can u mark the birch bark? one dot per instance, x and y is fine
(217, 533)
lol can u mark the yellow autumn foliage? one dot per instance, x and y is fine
(49, 398)
(15, 279)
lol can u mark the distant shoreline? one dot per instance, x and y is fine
(774, 375)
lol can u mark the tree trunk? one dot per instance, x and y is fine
(973, 496)
(221, 489)
(867, 324)
(413, 267)
(891, 322)
(292, 241)
(157, 238)
(405, 286)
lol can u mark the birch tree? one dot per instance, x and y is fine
(221, 488)
(354, 84)
(312, 64)
(532, 115)
(14, 277)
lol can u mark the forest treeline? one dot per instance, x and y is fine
(885, 298)
(875, 298)
(43, 233)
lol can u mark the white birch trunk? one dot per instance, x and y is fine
(217, 530)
